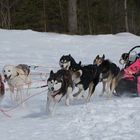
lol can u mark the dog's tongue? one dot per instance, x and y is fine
(55, 93)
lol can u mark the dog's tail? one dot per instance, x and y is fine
(25, 68)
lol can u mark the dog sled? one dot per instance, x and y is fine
(129, 80)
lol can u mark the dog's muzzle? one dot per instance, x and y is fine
(121, 61)
(7, 77)
(51, 89)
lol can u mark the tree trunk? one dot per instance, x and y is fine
(8, 14)
(62, 15)
(72, 16)
(126, 16)
(44, 13)
(88, 14)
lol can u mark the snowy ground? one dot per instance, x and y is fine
(101, 119)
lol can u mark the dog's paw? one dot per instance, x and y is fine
(67, 103)
(100, 95)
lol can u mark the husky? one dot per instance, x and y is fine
(59, 85)
(66, 61)
(108, 73)
(124, 60)
(16, 77)
(84, 77)
(2, 89)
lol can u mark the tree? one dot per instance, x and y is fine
(126, 16)
(44, 13)
(72, 16)
(5, 12)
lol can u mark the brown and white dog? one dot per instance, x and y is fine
(108, 74)
(59, 85)
(17, 77)
(2, 89)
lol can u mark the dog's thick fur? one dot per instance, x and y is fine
(108, 74)
(66, 61)
(17, 77)
(59, 85)
(2, 89)
(85, 77)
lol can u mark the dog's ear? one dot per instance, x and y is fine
(80, 63)
(97, 56)
(103, 56)
(51, 72)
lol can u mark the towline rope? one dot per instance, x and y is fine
(4, 111)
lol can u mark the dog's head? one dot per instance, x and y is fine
(75, 67)
(55, 82)
(76, 71)
(98, 60)
(65, 61)
(9, 72)
(124, 58)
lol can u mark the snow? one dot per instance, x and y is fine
(100, 119)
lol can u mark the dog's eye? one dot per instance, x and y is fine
(8, 70)
(4, 71)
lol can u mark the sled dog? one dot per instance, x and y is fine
(16, 77)
(84, 77)
(59, 85)
(108, 73)
(66, 61)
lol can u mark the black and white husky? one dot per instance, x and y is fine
(66, 61)
(59, 85)
(85, 77)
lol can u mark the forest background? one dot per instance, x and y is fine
(72, 16)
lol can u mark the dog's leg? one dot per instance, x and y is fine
(112, 86)
(28, 84)
(80, 92)
(23, 97)
(68, 95)
(52, 106)
(48, 102)
(51, 103)
(104, 88)
(1, 98)
(12, 94)
(109, 88)
(20, 96)
(91, 90)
